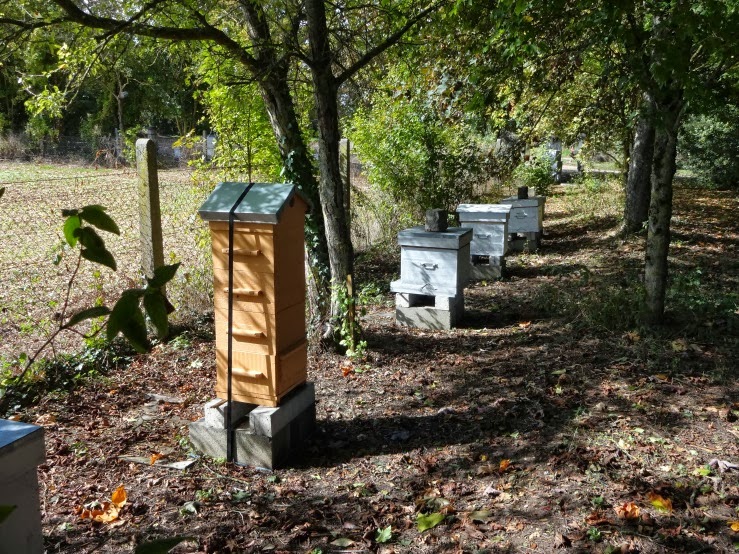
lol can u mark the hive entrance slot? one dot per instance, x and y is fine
(251, 373)
(250, 333)
(245, 292)
(242, 252)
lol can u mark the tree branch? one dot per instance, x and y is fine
(375, 51)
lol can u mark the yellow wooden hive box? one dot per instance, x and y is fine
(269, 347)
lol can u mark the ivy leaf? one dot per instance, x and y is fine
(89, 313)
(5, 511)
(162, 275)
(384, 535)
(425, 522)
(71, 225)
(95, 215)
(160, 546)
(156, 308)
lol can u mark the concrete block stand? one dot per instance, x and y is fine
(264, 437)
(21, 452)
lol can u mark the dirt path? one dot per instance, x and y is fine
(546, 422)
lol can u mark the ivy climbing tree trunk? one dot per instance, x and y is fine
(331, 184)
(668, 113)
(638, 184)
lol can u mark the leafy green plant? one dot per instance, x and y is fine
(709, 143)
(128, 315)
(594, 534)
(537, 173)
(349, 327)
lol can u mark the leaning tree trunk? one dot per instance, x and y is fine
(660, 207)
(331, 187)
(275, 88)
(638, 185)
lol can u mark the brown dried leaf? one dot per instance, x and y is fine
(119, 497)
(659, 502)
(628, 511)
(561, 541)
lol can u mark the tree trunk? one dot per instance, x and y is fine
(278, 100)
(668, 114)
(331, 187)
(638, 185)
(299, 170)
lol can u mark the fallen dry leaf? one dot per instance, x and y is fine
(524, 324)
(659, 502)
(734, 526)
(119, 497)
(504, 464)
(596, 518)
(561, 541)
(627, 510)
(154, 458)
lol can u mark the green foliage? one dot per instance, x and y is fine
(537, 173)
(236, 112)
(595, 305)
(60, 374)
(349, 328)
(412, 152)
(384, 535)
(699, 302)
(709, 144)
(425, 522)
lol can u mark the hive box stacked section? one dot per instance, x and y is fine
(268, 332)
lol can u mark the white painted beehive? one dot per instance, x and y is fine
(433, 263)
(527, 215)
(489, 224)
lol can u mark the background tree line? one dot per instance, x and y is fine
(437, 96)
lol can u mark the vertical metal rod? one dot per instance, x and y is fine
(229, 414)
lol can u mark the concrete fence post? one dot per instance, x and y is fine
(150, 216)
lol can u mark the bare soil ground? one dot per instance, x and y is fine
(547, 422)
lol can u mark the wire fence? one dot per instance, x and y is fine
(36, 265)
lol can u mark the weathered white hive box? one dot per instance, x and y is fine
(489, 224)
(433, 263)
(434, 269)
(21, 451)
(527, 214)
(268, 335)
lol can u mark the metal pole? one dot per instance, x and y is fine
(229, 420)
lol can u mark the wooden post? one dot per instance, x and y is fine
(150, 217)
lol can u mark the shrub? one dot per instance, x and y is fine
(709, 144)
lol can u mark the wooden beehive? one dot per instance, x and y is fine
(269, 348)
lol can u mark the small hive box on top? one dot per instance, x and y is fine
(269, 347)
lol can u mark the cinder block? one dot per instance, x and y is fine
(270, 421)
(269, 437)
(215, 412)
(253, 449)
(437, 220)
(449, 303)
(427, 317)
